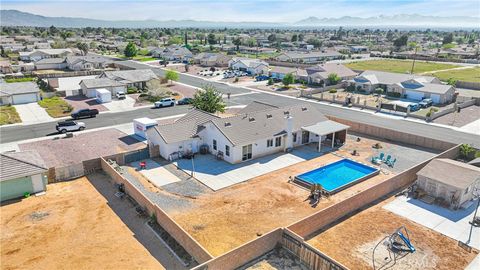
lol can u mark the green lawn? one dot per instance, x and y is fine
(9, 115)
(467, 75)
(398, 66)
(56, 107)
(24, 79)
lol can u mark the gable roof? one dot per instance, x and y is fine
(388, 78)
(100, 82)
(20, 164)
(8, 89)
(130, 76)
(250, 127)
(451, 172)
(256, 106)
(324, 70)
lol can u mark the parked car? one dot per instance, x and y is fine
(165, 102)
(121, 95)
(414, 107)
(261, 78)
(426, 103)
(66, 126)
(184, 101)
(84, 113)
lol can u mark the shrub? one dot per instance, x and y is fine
(378, 91)
(236, 79)
(467, 151)
(270, 81)
(132, 90)
(350, 88)
(394, 94)
(332, 91)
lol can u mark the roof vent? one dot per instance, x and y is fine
(304, 109)
(269, 116)
(251, 119)
(228, 124)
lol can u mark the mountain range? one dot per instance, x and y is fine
(19, 18)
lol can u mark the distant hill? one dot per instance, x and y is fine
(19, 18)
(394, 20)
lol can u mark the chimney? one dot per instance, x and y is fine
(289, 130)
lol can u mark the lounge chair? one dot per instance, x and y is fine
(382, 155)
(387, 160)
(391, 163)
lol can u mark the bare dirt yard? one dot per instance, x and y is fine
(351, 242)
(226, 219)
(72, 226)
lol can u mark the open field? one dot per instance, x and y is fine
(9, 115)
(399, 66)
(56, 106)
(73, 226)
(467, 74)
(351, 242)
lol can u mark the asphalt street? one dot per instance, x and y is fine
(17, 133)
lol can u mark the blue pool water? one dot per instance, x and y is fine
(338, 174)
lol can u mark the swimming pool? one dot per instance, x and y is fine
(337, 175)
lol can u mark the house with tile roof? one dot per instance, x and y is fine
(257, 130)
(410, 86)
(20, 173)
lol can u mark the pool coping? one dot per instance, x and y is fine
(308, 185)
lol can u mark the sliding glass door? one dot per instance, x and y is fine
(247, 152)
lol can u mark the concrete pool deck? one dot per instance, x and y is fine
(218, 174)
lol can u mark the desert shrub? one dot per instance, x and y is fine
(394, 94)
(332, 91)
(132, 90)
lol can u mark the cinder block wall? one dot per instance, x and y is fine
(175, 230)
(311, 224)
(394, 135)
(244, 253)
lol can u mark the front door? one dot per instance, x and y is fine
(247, 152)
(305, 137)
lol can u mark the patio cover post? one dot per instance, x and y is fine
(333, 139)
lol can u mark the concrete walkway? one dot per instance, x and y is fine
(473, 127)
(32, 113)
(454, 224)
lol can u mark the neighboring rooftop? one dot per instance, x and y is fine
(8, 89)
(20, 164)
(443, 170)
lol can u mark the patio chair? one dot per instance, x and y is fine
(381, 156)
(391, 163)
(388, 159)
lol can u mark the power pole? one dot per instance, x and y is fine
(414, 57)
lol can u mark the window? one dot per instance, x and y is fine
(214, 144)
(247, 152)
(278, 141)
(294, 134)
(269, 142)
(227, 150)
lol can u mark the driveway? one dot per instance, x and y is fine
(83, 102)
(32, 113)
(454, 224)
(219, 174)
(117, 105)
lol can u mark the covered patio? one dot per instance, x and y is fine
(330, 133)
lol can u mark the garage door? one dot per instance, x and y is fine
(24, 98)
(414, 95)
(435, 98)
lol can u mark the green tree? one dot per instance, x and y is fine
(333, 78)
(294, 38)
(171, 75)
(451, 81)
(288, 79)
(130, 50)
(237, 42)
(83, 47)
(466, 150)
(447, 39)
(208, 99)
(211, 39)
(401, 41)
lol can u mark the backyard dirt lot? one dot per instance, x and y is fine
(464, 117)
(351, 243)
(226, 219)
(70, 227)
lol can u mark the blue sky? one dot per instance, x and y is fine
(246, 10)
